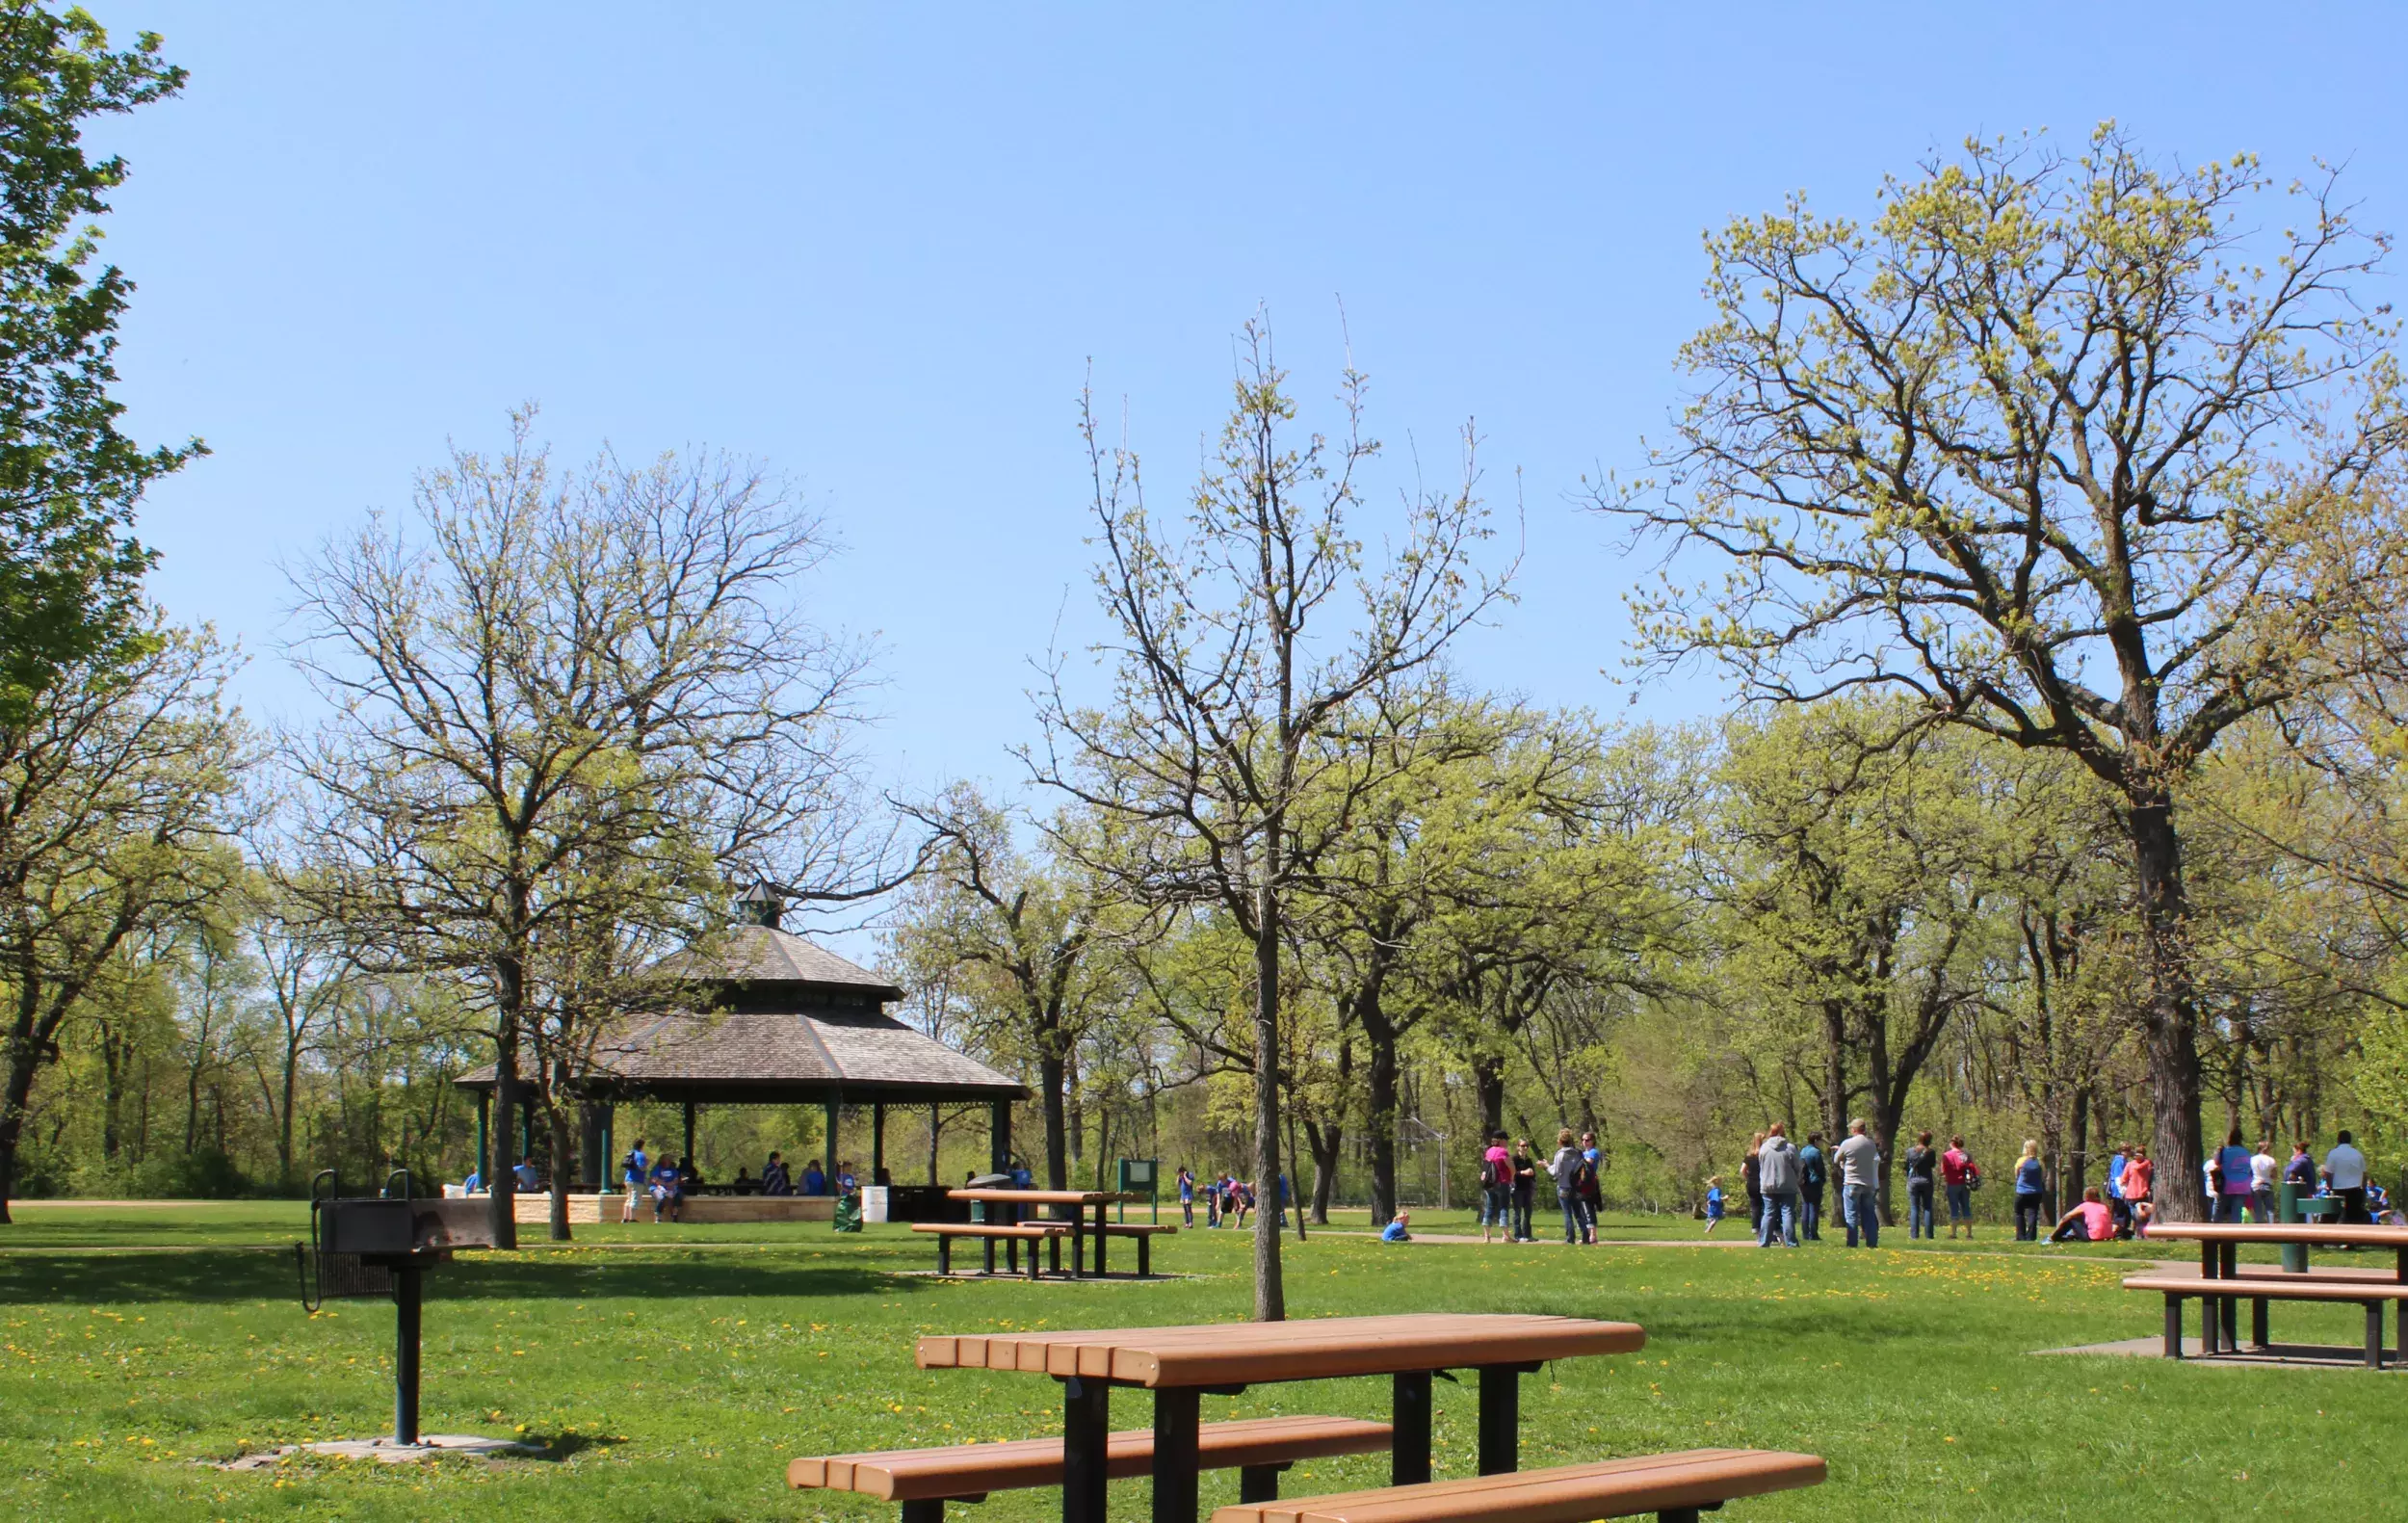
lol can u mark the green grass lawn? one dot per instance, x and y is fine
(675, 1371)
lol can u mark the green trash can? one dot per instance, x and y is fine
(847, 1214)
(2292, 1206)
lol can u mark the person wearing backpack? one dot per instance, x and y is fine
(1563, 1170)
(1960, 1176)
(634, 1171)
(1496, 1188)
(1813, 1173)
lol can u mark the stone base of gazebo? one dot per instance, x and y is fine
(587, 1209)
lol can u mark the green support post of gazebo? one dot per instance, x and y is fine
(484, 1121)
(689, 1155)
(999, 1138)
(878, 1144)
(836, 1104)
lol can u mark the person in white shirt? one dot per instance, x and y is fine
(2263, 1169)
(2346, 1167)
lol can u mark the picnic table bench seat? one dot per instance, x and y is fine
(1144, 1232)
(991, 1233)
(2258, 1289)
(925, 1480)
(1676, 1488)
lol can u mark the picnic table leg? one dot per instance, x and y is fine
(1175, 1416)
(1052, 1253)
(944, 1255)
(2209, 1320)
(1259, 1482)
(990, 1255)
(1145, 1256)
(2256, 1323)
(2173, 1326)
(1499, 1419)
(1086, 1439)
(1408, 1445)
(929, 1510)
(1078, 1245)
(1102, 1237)
(2375, 1335)
(2230, 1255)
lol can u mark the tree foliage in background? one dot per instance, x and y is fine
(2050, 446)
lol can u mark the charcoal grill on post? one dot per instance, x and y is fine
(380, 1246)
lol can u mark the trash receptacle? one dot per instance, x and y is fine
(872, 1202)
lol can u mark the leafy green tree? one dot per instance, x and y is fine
(2056, 447)
(70, 570)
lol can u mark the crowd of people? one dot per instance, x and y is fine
(1228, 1200)
(1785, 1186)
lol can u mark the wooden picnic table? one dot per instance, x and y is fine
(1181, 1364)
(1077, 1200)
(2219, 1258)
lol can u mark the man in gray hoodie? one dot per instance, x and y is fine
(1776, 1164)
(1859, 1164)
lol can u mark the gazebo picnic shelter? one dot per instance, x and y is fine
(767, 1018)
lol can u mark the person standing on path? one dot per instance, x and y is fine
(2139, 1179)
(2301, 1171)
(1812, 1174)
(634, 1171)
(2030, 1184)
(2235, 1180)
(1751, 1179)
(2346, 1167)
(2112, 1196)
(1859, 1166)
(2263, 1169)
(1496, 1188)
(1588, 1190)
(1961, 1178)
(1564, 1168)
(1777, 1172)
(1922, 1165)
(1525, 1190)
(1186, 1197)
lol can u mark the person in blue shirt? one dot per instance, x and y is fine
(1714, 1203)
(525, 1173)
(2118, 1209)
(2232, 1179)
(814, 1183)
(1186, 1197)
(635, 1170)
(668, 1190)
(1813, 1173)
(1395, 1231)
(2030, 1185)
(474, 1184)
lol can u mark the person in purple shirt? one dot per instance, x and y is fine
(2233, 1177)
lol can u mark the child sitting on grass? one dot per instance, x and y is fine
(1714, 1202)
(1395, 1231)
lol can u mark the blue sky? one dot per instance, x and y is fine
(880, 247)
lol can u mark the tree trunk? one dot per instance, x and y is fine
(284, 1116)
(502, 1210)
(1381, 1104)
(2170, 1018)
(563, 1160)
(1488, 1078)
(1270, 1301)
(116, 1055)
(1325, 1143)
(1050, 1070)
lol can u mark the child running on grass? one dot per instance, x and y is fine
(1714, 1203)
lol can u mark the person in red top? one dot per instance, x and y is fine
(2090, 1221)
(1958, 1176)
(2137, 1173)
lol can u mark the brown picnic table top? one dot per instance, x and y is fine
(1312, 1349)
(1043, 1197)
(1180, 1364)
(2329, 1234)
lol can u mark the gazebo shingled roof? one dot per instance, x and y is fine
(782, 1022)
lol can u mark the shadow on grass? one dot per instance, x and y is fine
(232, 1275)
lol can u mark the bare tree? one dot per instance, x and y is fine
(117, 813)
(567, 708)
(1233, 653)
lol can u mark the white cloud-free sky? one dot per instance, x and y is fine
(878, 248)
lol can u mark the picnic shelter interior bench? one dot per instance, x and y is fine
(1675, 1488)
(925, 1480)
(990, 1233)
